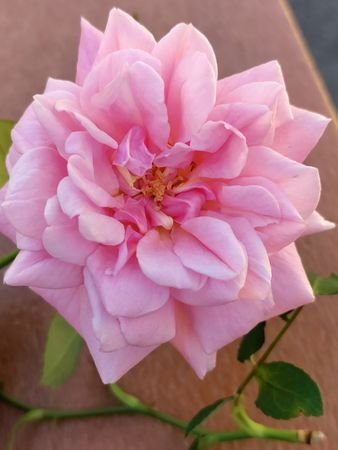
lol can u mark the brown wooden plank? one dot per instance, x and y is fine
(39, 39)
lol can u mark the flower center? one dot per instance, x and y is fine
(157, 182)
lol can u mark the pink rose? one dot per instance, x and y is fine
(152, 203)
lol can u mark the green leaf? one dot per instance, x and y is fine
(251, 342)
(204, 413)
(285, 391)
(324, 285)
(5, 142)
(61, 352)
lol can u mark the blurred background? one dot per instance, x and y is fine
(318, 20)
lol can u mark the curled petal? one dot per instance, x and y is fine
(124, 32)
(101, 229)
(38, 269)
(128, 292)
(90, 41)
(297, 137)
(150, 329)
(33, 180)
(159, 262)
(186, 342)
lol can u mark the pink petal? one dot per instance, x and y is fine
(123, 32)
(126, 90)
(265, 73)
(133, 153)
(133, 212)
(38, 269)
(73, 201)
(33, 180)
(150, 329)
(296, 138)
(57, 124)
(81, 173)
(101, 229)
(228, 148)
(270, 71)
(195, 256)
(73, 304)
(181, 41)
(65, 243)
(252, 201)
(6, 227)
(178, 156)
(90, 41)
(128, 293)
(316, 223)
(252, 120)
(159, 262)
(290, 285)
(28, 133)
(258, 280)
(106, 327)
(190, 96)
(217, 236)
(27, 243)
(213, 292)
(188, 344)
(217, 326)
(300, 183)
(185, 205)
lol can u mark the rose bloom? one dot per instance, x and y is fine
(152, 203)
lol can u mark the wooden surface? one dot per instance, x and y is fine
(38, 39)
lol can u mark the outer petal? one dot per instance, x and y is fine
(159, 262)
(150, 329)
(300, 183)
(6, 227)
(28, 133)
(316, 223)
(188, 344)
(38, 269)
(33, 180)
(123, 32)
(181, 41)
(128, 293)
(217, 326)
(73, 304)
(296, 138)
(90, 41)
(254, 85)
(290, 285)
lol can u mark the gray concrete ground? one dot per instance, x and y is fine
(319, 22)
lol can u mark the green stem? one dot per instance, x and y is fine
(267, 352)
(7, 259)
(257, 430)
(145, 410)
